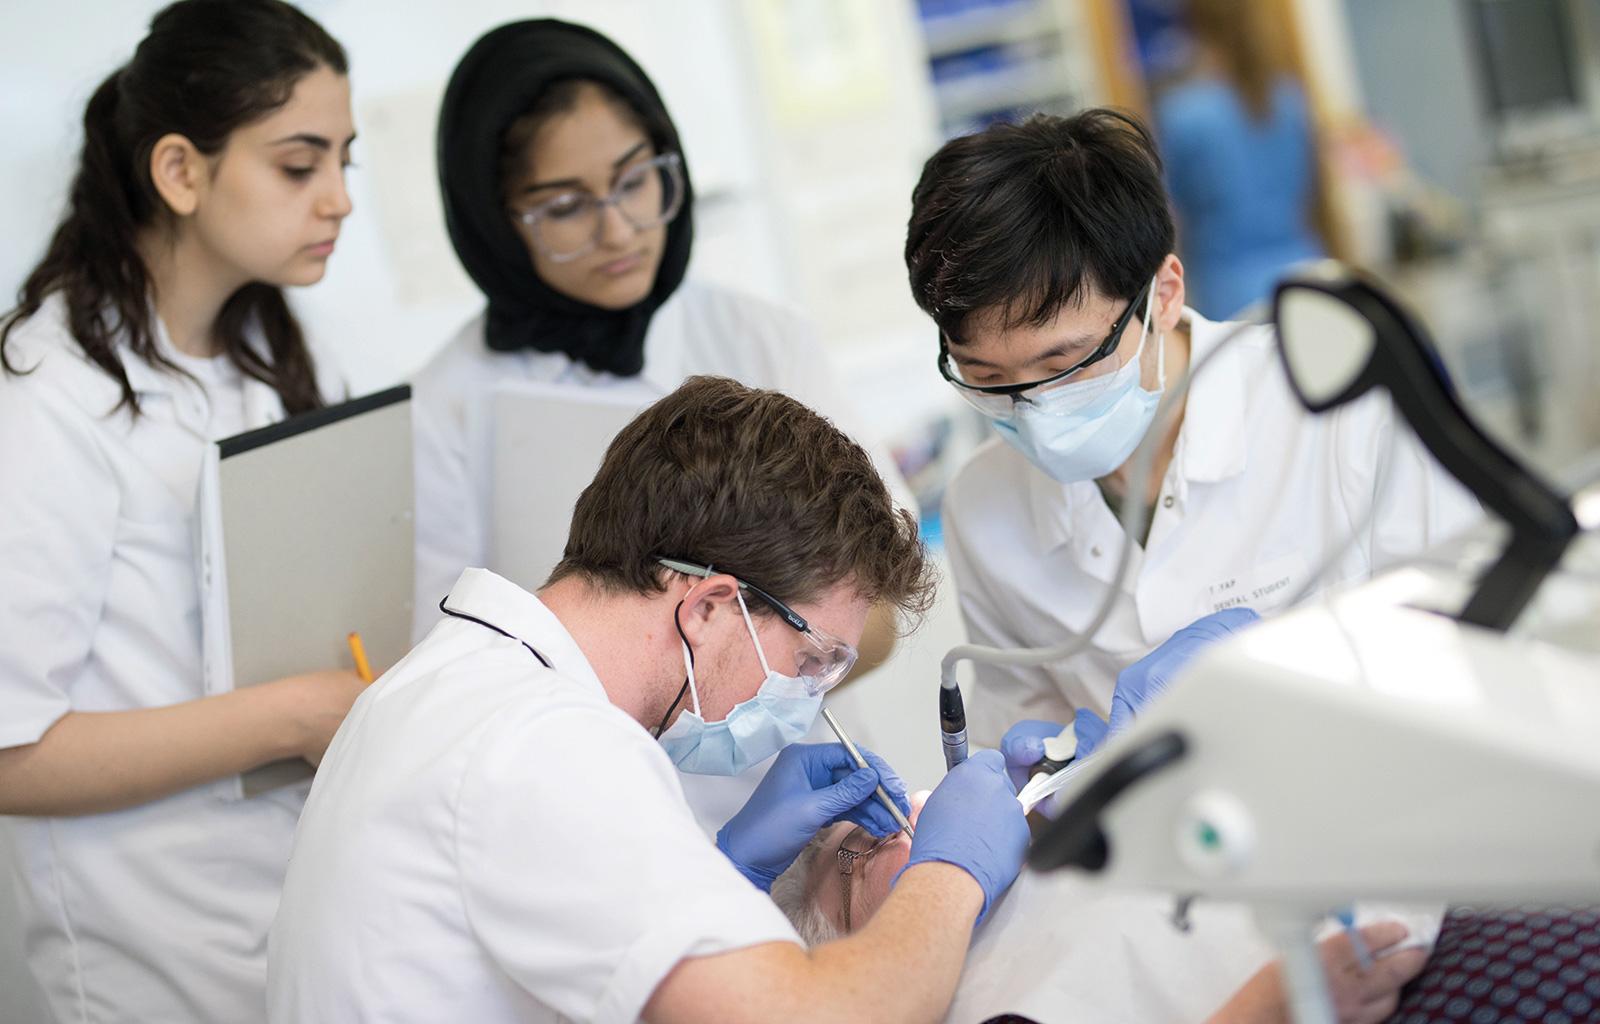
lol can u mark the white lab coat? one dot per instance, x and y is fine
(157, 912)
(1059, 948)
(1258, 494)
(490, 839)
(700, 330)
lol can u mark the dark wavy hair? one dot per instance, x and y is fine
(1024, 219)
(207, 68)
(754, 484)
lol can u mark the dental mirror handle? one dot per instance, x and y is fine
(855, 755)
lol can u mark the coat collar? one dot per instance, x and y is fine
(499, 605)
(262, 405)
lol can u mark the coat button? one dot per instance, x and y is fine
(1095, 551)
(1166, 502)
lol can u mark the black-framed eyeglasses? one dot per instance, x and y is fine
(998, 399)
(823, 662)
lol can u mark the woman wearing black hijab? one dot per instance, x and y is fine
(569, 202)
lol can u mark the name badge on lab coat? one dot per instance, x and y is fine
(1264, 588)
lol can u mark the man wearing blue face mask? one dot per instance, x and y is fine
(1044, 253)
(498, 831)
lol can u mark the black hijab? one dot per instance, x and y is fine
(498, 80)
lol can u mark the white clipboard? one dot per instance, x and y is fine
(306, 536)
(546, 444)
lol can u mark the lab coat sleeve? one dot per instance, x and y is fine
(1001, 695)
(591, 882)
(1416, 504)
(450, 524)
(58, 522)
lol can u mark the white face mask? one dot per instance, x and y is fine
(1085, 429)
(781, 712)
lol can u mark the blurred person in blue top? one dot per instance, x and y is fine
(1241, 161)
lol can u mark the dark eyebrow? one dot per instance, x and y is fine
(1069, 346)
(616, 165)
(308, 139)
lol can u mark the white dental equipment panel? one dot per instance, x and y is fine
(1362, 747)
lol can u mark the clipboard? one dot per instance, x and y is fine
(546, 444)
(305, 535)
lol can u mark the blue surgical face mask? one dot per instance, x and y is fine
(781, 712)
(1083, 430)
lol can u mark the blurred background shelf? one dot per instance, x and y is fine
(1012, 21)
(993, 59)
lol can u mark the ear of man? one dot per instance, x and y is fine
(709, 609)
(1170, 294)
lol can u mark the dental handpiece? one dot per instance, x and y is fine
(952, 725)
(1059, 752)
(855, 755)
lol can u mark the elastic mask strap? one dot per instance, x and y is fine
(688, 664)
(1161, 340)
(753, 638)
(1161, 362)
(688, 667)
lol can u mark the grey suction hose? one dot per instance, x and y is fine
(1133, 511)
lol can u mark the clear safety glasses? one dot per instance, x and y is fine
(997, 400)
(854, 848)
(822, 660)
(568, 226)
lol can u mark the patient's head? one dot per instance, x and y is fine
(841, 879)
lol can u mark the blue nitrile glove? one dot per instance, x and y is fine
(1023, 743)
(810, 786)
(1146, 678)
(1090, 730)
(973, 820)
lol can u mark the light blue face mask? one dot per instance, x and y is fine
(780, 713)
(1085, 429)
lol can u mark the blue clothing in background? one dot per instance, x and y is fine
(1242, 188)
